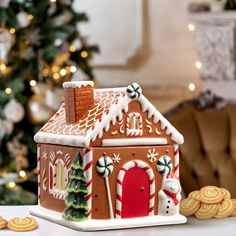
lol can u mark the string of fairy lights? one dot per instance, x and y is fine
(22, 177)
(54, 71)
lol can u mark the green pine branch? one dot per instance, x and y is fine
(33, 50)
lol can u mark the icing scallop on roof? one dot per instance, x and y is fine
(77, 84)
(109, 104)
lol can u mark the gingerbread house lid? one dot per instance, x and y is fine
(109, 104)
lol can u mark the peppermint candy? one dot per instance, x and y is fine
(134, 91)
(104, 166)
(164, 165)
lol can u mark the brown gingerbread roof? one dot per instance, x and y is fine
(103, 99)
(108, 106)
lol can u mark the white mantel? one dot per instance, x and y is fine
(215, 36)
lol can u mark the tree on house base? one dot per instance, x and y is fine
(76, 206)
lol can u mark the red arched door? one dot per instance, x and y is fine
(135, 193)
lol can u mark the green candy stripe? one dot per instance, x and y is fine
(103, 164)
(165, 163)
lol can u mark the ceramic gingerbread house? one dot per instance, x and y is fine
(108, 159)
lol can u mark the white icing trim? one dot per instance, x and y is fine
(157, 132)
(52, 156)
(157, 116)
(45, 188)
(44, 180)
(106, 119)
(148, 122)
(77, 84)
(118, 89)
(149, 128)
(58, 193)
(134, 141)
(61, 139)
(95, 225)
(114, 132)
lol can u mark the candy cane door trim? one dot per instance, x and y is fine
(120, 183)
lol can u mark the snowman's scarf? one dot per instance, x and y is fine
(172, 195)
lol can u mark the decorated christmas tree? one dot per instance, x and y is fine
(76, 206)
(40, 48)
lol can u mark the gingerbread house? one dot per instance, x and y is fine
(126, 147)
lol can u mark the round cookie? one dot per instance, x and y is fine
(189, 206)
(211, 195)
(195, 195)
(3, 223)
(226, 193)
(22, 224)
(226, 208)
(207, 211)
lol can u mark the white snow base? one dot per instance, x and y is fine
(95, 225)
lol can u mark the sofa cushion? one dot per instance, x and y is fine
(208, 156)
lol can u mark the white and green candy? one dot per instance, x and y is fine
(104, 166)
(164, 165)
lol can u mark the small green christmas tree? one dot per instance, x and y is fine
(76, 206)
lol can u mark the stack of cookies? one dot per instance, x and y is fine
(209, 202)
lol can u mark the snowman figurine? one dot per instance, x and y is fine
(169, 196)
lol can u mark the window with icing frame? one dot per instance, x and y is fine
(134, 124)
(58, 178)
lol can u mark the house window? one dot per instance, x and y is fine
(58, 178)
(134, 125)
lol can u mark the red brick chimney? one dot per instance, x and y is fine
(79, 99)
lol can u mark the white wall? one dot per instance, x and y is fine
(165, 64)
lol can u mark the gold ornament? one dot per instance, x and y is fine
(38, 111)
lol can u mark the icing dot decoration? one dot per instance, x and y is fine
(134, 91)
(104, 166)
(164, 165)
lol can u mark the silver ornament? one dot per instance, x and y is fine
(37, 110)
(22, 18)
(2, 130)
(62, 19)
(4, 3)
(52, 98)
(58, 42)
(14, 111)
(8, 125)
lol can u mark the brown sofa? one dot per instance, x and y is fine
(208, 156)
